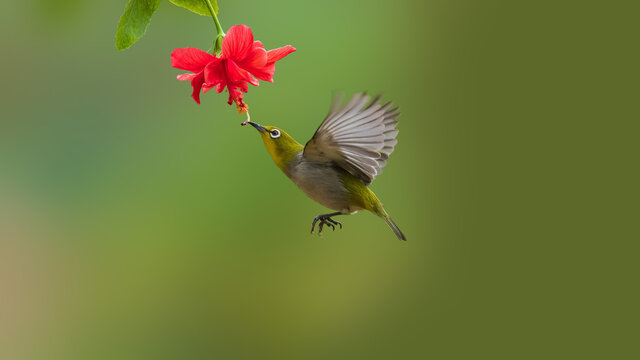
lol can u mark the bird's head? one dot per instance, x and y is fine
(280, 145)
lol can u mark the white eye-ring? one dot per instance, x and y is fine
(275, 133)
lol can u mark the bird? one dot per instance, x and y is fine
(346, 153)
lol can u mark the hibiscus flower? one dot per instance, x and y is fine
(242, 61)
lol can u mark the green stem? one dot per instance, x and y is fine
(215, 18)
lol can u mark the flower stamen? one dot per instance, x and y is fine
(248, 118)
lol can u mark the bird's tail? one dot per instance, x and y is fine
(394, 227)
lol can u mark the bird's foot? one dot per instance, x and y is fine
(325, 219)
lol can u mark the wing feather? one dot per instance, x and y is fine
(357, 137)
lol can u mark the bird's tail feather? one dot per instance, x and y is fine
(394, 227)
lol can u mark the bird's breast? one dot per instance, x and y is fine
(321, 182)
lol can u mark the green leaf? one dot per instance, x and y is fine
(197, 6)
(134, 22)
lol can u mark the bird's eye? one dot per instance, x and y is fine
(275, 134)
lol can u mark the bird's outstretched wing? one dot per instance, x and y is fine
(357, 137)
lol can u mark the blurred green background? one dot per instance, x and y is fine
(135, 224)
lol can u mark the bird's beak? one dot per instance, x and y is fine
(258, 127)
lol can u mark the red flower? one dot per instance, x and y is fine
(243, 61)
(193, 60)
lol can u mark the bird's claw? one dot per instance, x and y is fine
(324, 220)
(333, 223)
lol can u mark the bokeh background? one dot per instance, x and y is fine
(135, 224)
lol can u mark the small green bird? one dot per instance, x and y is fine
(346, 153)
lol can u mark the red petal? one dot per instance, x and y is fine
(238, 42)
(186, 77)
(239, 76)
(214, 73)
(190, 59)
(266, 73)
(277, 54)
(196, 83)
(206, 87)
(256, 59)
